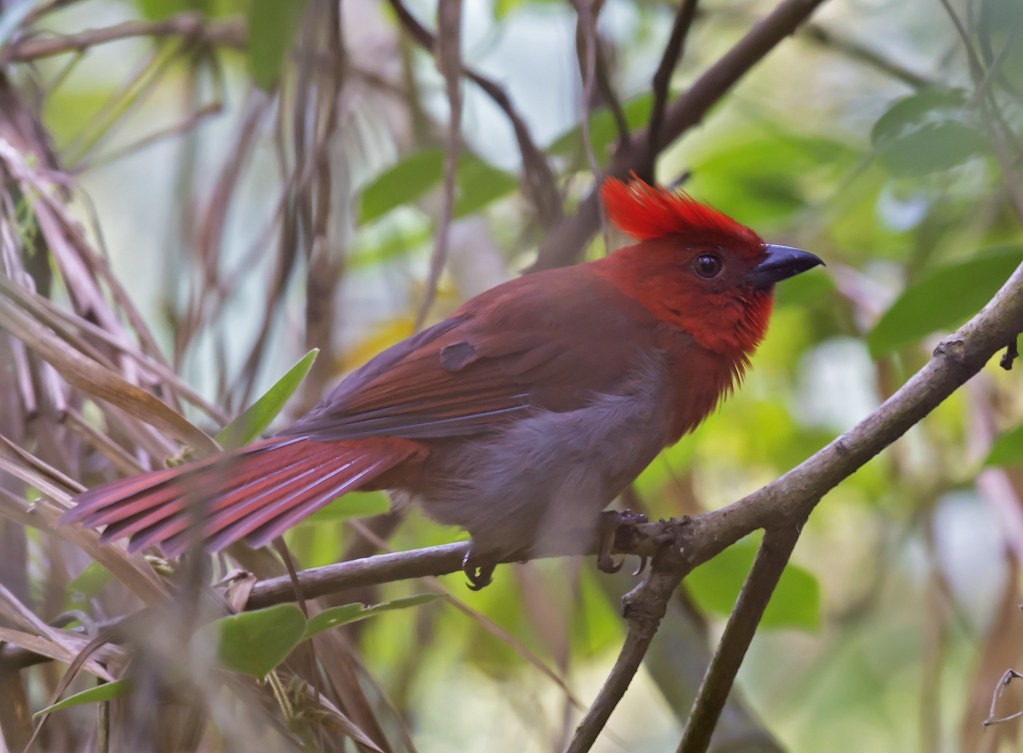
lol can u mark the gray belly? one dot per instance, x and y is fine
(550, 472)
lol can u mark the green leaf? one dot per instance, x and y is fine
(944, 298)
(503, 7)
(91, 580)
(477, 184)
(1007, 448)
(347, 613)
(397, 240)
(106, 691)
(803, 290)
(351, 505)
(250, 424)
(402, 183)
(927, 132)
(256, 642)
(272, 25)
(763, 175)
(154, 9)
(714, 587)
(998, 23)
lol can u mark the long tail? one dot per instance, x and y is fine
(255, 493)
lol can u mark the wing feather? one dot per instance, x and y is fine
(517, 348)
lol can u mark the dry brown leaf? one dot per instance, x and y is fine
(99, 381)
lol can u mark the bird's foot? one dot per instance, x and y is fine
(614, 523)
(479, 575)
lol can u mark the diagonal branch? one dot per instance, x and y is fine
(644, 608)
(772, 557)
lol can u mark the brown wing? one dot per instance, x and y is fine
(524, 345)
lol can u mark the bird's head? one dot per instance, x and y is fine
(696, 268)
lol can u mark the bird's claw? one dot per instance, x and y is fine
(643, 559)
(479, 576)
(611, 521)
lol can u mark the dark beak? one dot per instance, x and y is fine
(780, 263)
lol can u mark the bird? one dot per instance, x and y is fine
(526, 412)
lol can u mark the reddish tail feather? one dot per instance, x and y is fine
(255, 493)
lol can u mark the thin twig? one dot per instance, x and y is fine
(190, 121)
(989, 107)
(597, 75)
(673, 53)
(609, 97)
(1003, 683)
(449, 61)
(772, 556)
(537, 172)
(864, 54)
(586, 34)
(190, 26)
(644, 607)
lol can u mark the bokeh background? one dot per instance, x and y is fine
(264, 177)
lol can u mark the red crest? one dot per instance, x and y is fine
(645, 212)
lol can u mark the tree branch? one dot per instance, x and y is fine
(565, 242)
(644, 608)
(772, 556)
(368, 571)
(191, 26)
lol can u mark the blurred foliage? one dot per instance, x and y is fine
(943, 299)
(271, 26)
(263, 177)
(714, 586)
(478, 184)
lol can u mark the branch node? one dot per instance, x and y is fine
(952, 348)
(642, 611)
(1011, 353)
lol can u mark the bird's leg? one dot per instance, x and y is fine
(611, 522)
(479, 575)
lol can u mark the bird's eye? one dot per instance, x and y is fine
(708, 266)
